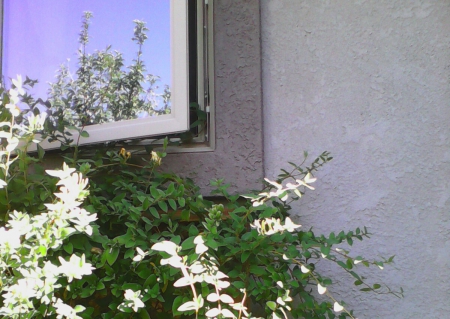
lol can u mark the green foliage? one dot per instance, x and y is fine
(249, 239)
(270, 261)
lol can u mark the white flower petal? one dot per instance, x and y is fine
(321, 289)
(166, 246)
(212, 297)
(337, 307)
(304, 269)
(226, 298)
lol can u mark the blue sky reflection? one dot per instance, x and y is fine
(40, 35)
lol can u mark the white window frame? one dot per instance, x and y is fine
(175, 122)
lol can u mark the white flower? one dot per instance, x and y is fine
(167, 246)
(76, 267)
(273, 183)
(20, 222)
(200, 247)
(304, 269)
(337, 307)
(66, 311)
(62, 174)
(321, 289)
(18, 84)
(20, 294)
(141, 254)
(289, 225)
(270, 226)
(13, 100)
(133, 300)
(13, 96)
(12, 142)
(36, 122)
(9, 240)
(174, 261)
(81, 218)
(50, 271)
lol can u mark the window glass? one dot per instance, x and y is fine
(43, 40)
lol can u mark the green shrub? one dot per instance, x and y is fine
(155, 234)
(250, 239)
(28, 276)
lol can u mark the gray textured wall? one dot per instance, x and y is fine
(238, 157)
(368, 81)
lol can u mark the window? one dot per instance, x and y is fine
(177, 50)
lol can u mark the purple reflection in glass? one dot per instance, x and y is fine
(40, 35)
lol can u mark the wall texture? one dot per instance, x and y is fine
(238, 156)
(368, 81)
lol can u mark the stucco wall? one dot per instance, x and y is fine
(368, 81)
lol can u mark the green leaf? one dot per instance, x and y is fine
(43, 196)
(247, 236)
(170, 189)
(132, 286)
(185, 214)
(119, 198)
(354, 274)
(245, 256)
(272, 305)
(376, 286)
(84, 134)
(165, 143)
(87, 292)
(349, 264)
(79, 308)
(238, 284)
(343, 265)
(193, 230)
(42, 250)
(163, 206)
(181, 201)
(145, 273)
(325, 250)
(100, 285)
(112, 254)
(68, 248)
(172, 204)
(256, 270)
(144, 314)
(211, 243)
(154, 212)
(151, 280)
(145, 204)
(188, 243)
(147, 221)
(154, 192)
(41, 151)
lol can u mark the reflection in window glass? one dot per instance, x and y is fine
(111, 66)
